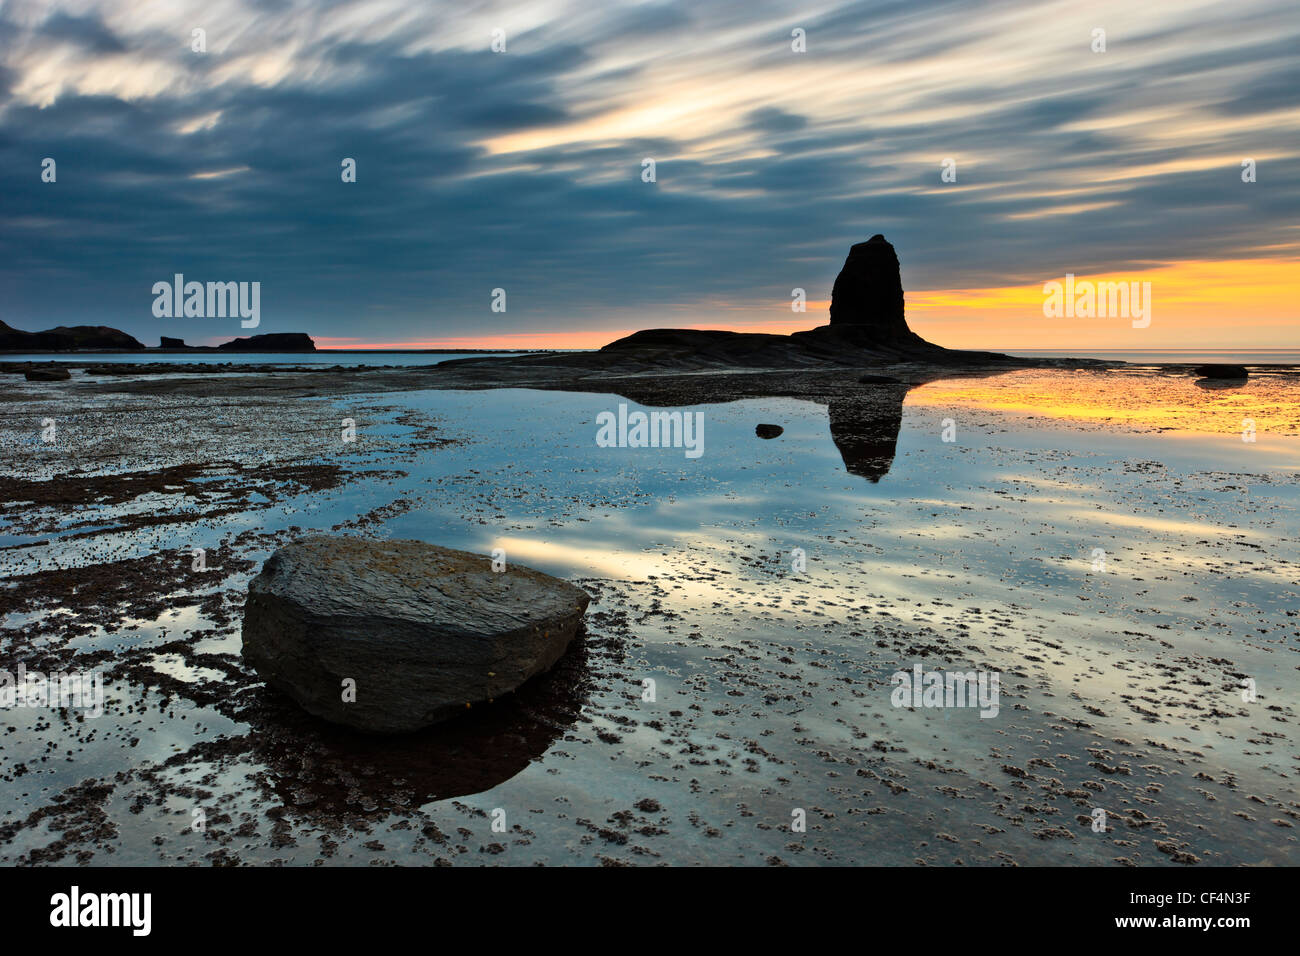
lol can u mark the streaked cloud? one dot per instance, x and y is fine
(522, 170)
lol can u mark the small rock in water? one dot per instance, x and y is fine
(424, 631)
(768, 431)
(1222, 371)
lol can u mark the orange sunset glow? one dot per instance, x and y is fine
(1172, 403)
(1243, 303)
(688, 171)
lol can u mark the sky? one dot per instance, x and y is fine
(780, 133)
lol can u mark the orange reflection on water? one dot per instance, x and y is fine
(1131, 398)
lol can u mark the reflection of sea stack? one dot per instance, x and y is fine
(865, 422)
(865, 430)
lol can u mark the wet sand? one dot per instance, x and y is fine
(1121, 689)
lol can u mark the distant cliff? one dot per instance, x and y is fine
(66, 338)
(99, 338)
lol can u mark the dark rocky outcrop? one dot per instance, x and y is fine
(867, 305)
(424, 631)
(768, 431)
(271, 342)
(1222, 371)
(100, 338)
(867, 327)
(65, 338)
(869, 289)
(49, 373)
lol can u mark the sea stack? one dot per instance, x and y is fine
(868, 292)
(867, 327)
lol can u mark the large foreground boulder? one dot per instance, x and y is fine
(423, 631)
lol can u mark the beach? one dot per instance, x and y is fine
(1110, 542)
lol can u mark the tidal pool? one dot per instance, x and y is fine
(1107, 543)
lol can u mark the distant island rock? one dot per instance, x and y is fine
(271, 342)
(65, 338)
(268, 342)
(100, 338)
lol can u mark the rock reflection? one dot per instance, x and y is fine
(865, 430)
(1219, 383)
(864, 421)
(331, 776)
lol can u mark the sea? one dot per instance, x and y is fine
(373, 357)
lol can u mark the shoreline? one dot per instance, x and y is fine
(774, 687)
(634, 377)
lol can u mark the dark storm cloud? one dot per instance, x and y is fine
(88, 32)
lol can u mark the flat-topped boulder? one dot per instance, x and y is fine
(424, 631)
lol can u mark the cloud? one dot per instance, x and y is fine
(522, 170)
(769, 119)
(87, 32)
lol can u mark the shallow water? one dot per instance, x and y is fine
(323, 357)
(1171, 356)
(1120, 672)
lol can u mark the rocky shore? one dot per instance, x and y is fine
(772, 687)
(716, 685)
